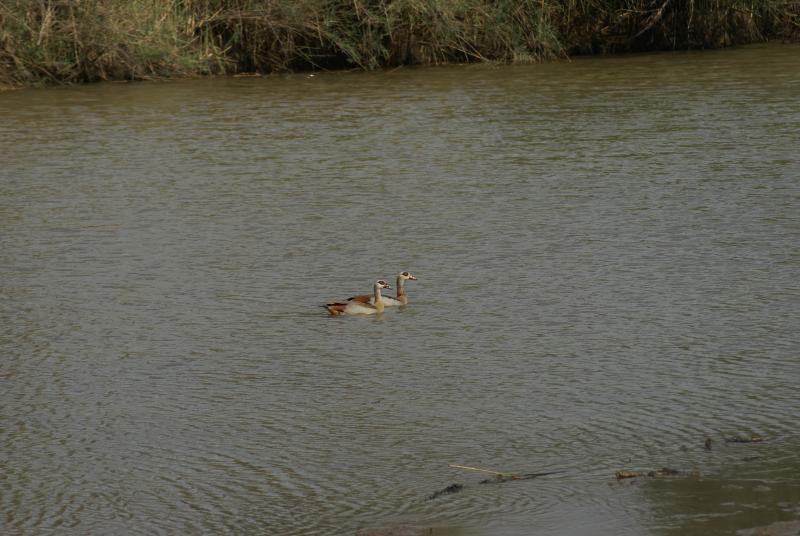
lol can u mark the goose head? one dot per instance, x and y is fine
(380, 283)
(407, 275)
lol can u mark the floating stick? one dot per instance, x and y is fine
(456, 466)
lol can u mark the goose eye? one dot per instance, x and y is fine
(405, 273)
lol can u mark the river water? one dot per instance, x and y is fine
(607, 253)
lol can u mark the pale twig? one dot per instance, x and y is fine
(456, 466)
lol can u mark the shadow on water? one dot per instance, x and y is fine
(754, 491)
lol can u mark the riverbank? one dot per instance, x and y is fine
(60, 41)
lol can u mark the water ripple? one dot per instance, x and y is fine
(607, 258)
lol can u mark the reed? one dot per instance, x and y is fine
(64, 41)
(594, 26)
(81, 41)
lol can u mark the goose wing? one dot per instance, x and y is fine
(335, 308)
(366, 298)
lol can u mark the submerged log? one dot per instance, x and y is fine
(755, 438)
(452, 488)
(508, 477)
(664, 471)
(498, 478)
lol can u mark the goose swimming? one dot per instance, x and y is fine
(371, 307)
(390, 301)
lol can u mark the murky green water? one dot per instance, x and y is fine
(608, 253)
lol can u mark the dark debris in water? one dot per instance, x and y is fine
(755, 438)
(401, 530)
(452, 488)
(507, 478)
(499, 478)
(664, 471)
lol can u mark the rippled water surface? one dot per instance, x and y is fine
(608, 254)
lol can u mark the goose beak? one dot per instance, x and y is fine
(412, 278)
(388, 286)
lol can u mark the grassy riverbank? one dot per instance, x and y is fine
(63, 41)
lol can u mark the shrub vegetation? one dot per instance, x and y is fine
(67, 41)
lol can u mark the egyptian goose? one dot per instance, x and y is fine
(361, 308)
(389, 301)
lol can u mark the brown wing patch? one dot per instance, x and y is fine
(363, 298)
(336, 308)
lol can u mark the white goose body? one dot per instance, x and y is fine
(360, 308)
(390, 301)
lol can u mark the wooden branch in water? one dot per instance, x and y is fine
(456, 466)
(499, 476)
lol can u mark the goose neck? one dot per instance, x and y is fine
(401, 291)
(378, 301)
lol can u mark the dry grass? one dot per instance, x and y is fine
(65, 41)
